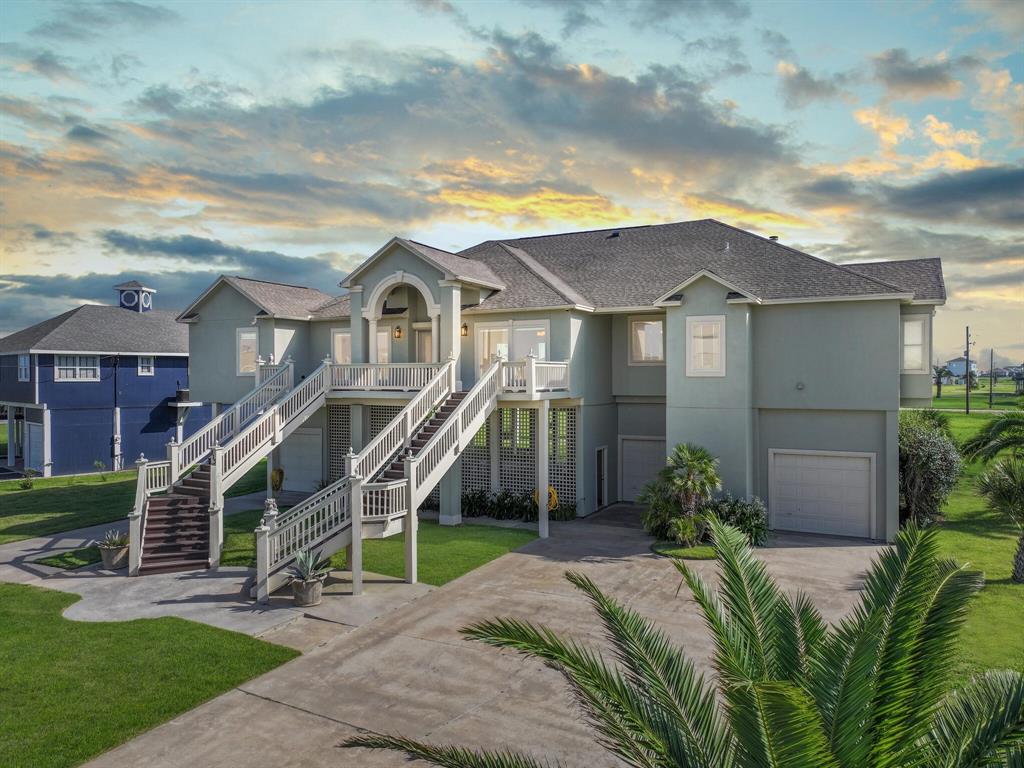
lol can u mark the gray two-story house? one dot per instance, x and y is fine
(575, 361)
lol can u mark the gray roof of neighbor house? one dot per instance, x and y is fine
(635, 266)
(104, 329)
(629, 267)
(922, 276)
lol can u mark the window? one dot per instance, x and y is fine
(646, 341)
(511, 340)
(77, 368)
(248, 350)
(384, 345)
(915, 353)
(705, 349)
(341, 346)
(23, 367)
(146, 366)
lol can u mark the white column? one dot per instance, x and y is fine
(357, 329)
(411, 527)
(493, 445)
(372, 340)
(116, 460)
(11, 437)
(435, 338)
(451, 495)
(451, 319)
(356, 511)
(47, 445)
(542, 469)
(271, 462)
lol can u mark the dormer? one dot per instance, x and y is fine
(135, 296)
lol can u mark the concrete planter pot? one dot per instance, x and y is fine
(307, 593)
(114, 558)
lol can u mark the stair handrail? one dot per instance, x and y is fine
(272, 420)
(289, 534)
(153, 477)
(197, 446)
(363, 463)
(399, 431)
(442, 441)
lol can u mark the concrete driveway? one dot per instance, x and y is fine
(410, 672)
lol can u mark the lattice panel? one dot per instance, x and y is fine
(339, 437)
(517, 451)
(476, 462)
(380, 417)
(562, 452)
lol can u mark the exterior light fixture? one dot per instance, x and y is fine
(398, 332)
(464, 330)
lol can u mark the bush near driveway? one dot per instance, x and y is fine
(70, 690)
(929, 466)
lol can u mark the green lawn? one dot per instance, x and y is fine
(3, 441)
(71, 690)
(994, 633)
(1002, 396)
(56, 504)
(671, 549)
(445, 552)
(75, 558)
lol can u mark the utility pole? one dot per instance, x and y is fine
(991, 358)
(967, 369)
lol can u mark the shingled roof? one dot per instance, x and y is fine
(102, 329)
(272, 299)
(922, 276)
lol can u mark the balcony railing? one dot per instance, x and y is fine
(532, 376)
(404, 377)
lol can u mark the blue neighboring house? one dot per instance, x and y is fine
(97, 384)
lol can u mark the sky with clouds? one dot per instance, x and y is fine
(288, 140)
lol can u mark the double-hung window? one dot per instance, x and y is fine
(646, 341)
(511, 340)
(915, 345)
(341, 346)
(705, 345)
(247, 350)
(76, 368)
(23, 367)
(146, 367)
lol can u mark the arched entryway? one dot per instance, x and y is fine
(404, 321)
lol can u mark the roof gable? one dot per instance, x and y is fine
(451, 265)
(280, 300)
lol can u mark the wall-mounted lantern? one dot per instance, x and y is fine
(398, 332)
(464, 330)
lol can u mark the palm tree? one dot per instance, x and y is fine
(872, 691)
(940, 372)
(692, 473)
(1002, 485)
(1003, 433)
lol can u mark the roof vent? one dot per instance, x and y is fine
(726, 246)
(773, 238)
(613, 234)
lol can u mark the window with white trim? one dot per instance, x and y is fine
(383, 345)
(512, 340)
(646, 341)
(705, 345)
(341, 346)
(76, 368)
(24, 366)
(146, 366)
(247, 350)
(915, 344)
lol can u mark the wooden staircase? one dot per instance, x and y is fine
(178, 526)
(396, 469)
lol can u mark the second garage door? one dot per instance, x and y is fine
(302, 460)
(641, 459)
(821, 492)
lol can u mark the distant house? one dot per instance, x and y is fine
(958, 370)
(96, 384)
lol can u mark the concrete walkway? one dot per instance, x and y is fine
(219, 597)
(411, 672)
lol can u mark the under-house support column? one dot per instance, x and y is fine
(542, 468)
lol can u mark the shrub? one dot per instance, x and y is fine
(565, 510)
(476, 503)
(751, 517)
(692, 474)
(929, 464)
(28, 480)
(514, 506)
(688, 530)
(113, 539)
(100, 467)
(935, 417)
(661, 508)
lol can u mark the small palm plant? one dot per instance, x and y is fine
(940, 372)
(872, 691)
(1002, 485)
(308, 573)
(1003, 433)
(692, 473)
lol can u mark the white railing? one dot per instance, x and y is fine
(390, 376)
(531, 376)
(321, 519)
(197, 446)
(471, 411)
(154, 476)
(401, 428)
(388, 499)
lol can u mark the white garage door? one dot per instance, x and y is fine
(641, 460)
(821, 492)
(302, 460)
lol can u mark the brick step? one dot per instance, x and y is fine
(178, 553)
(176, 538)
(173, 566)
(176, 526)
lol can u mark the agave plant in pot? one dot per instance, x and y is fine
(308, 574)
(113, 550)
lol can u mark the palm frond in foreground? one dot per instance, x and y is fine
(872, 691)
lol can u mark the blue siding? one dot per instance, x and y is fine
(77, 394)
(80, 437)
(12, 390)
(134, 390)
